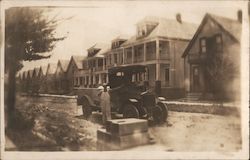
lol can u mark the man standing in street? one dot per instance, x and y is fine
(105, 104)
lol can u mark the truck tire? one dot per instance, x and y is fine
(87, 111)
(164, 110)
(130, 111)
(157, 114)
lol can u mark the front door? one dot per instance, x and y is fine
(196, 79)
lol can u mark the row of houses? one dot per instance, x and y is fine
(173, 51)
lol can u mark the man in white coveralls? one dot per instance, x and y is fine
(105, 104)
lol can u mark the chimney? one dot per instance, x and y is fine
(178, 17)
(239, 14)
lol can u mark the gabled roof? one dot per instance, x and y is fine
(36, 71)
(230, 26)
(43, 69)
(51, 68)
(121, 37)
(20, 75)
(30, 72)
(102, 47)
(23, 75)
(64, 64)
(168, 28)
(26, 74)
(99, 46)
(78, 61)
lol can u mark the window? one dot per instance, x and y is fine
(104, 78)
(120, 58)
(115, 58)
(167, 76)
(110, 59)
(164, 49)
(76, 81)
(73, 69)
(203, 45)
(119, 74)
(87, 80)
(100, 62)
(96, 79)
(80, 80)
(218, 40)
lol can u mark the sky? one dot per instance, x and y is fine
(95, 22)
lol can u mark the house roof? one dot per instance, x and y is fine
(121, 37)
(64, 64)
(23, 75)
(36, 70)
(78, 61)
(30, 72)
(230, 26)
(169, 28)
(103, 49)
(20, 75)
(51, 68)
(43, 69)
(26, 74)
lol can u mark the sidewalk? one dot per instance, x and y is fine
(204, 107)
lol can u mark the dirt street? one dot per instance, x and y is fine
(56, 124)
(198, 132)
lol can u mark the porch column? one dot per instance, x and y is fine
(96, 64)
(100, 79)
(107, 78)
(94, 80)
(90, 80)
(157, 69)
(103, 62)
(133, 53)
(144, 52)
(123, 56)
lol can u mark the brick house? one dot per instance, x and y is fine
(50, 82)
(35, 84)
(215, 36)
(42, 78)
(75, 67)
(62, 83)
(29, 80)
(158, 44)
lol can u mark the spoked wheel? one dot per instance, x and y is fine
(157, 114)
(164, 110)
(130, 111)
(86, 109)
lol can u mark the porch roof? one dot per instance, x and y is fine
(168, 28)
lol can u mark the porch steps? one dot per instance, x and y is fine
(192, 97)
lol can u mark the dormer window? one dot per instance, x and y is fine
(142, 31)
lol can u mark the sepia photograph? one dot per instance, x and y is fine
(153, 79)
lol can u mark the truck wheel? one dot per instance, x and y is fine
(86, 109)
(164, 110)
(157, 114)
(130, 111)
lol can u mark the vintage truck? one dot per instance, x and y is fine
(129, 98)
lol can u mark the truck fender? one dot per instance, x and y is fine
(164, 108)
(85, 99)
